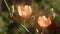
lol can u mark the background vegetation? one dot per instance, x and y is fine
(8, 25)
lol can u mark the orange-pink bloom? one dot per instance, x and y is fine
(25, 11)
(43, 21)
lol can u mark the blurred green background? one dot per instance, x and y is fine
(9, 26)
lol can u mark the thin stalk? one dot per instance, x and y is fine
(21, 25)
(7, 5)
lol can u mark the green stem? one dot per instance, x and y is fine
(24, 22)
(21, 24)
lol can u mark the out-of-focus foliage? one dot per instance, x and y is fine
(56, 5)
(9, 25)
